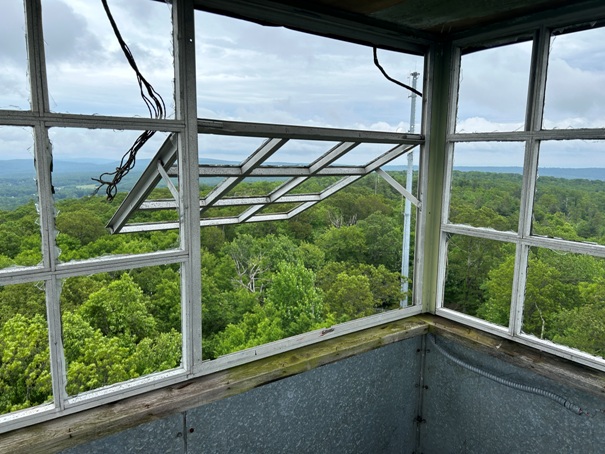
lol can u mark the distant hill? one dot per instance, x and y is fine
(19, 168)
(73, 178)
(16, 168)
(557, 172)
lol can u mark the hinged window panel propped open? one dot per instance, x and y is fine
(286, 178)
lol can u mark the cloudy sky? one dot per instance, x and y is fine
(252, 73)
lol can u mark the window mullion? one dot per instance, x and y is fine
(186, 109)
(43, 164)
(533, 123)
(443, 66)
(36, 59)
(449, 165)
(537, 80)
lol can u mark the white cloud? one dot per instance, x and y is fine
(493, 86)
(480, 124)
(248, 72)
(574, 97)
(16, 143)
(87, 71)
(269, 74)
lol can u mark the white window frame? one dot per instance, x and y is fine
(52, 272)
(532, 135)
(187, 255)
(185, 126)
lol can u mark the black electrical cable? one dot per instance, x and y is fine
(155, 105)
(395, 81)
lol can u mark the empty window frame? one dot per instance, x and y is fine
(57, 280)
(69, 283)
(543, 226)
(250, 72)
(294, 156)
(85, 68)
(264, 258)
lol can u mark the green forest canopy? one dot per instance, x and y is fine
(262, 282)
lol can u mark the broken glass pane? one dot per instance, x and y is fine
(86, 68)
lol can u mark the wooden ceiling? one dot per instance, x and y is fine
(412, 25)
(443, 16)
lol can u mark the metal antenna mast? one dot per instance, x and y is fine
(407, 214)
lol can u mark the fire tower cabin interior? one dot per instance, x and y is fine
(319, 226)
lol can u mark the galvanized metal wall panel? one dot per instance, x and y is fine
(364, 404)
(165, 436)
(368, 404)
(464, 412)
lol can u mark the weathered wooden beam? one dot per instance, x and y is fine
(334, 23)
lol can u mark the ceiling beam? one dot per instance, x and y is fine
(324, 21)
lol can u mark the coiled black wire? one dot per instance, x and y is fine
(155, 105)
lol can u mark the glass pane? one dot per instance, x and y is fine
(24, 352)
(565, 299)
(486, 184)
(14, 84)
(20, 238)
(255, 186)
(226, 150)
(315, 185)
(81, 155)
(493, 89)
(570, 191)
(576, 73)
(363, 154)
(479, 278)
(404, 167)
(300, 152)
(275, 75)
(86, 68)
(120, 325)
